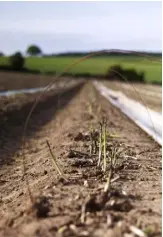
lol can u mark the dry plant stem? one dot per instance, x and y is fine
(90, 109)
(95, 142)
(104, 146)
(91, 145)
(54, 160)
(100, 146)
(79, 153)
(114, 159)
(108, 182)
(83, 214)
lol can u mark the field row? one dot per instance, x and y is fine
(116, 196)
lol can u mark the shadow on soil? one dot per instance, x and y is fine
(11, 129)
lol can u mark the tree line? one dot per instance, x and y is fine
(16, 61)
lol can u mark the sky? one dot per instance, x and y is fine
(80, 26)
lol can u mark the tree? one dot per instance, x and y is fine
(34, 50)
(16, 61)
(1, 54)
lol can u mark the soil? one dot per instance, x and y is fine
(74, 203)
(17, 81)
(149, 95)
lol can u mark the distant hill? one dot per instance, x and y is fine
(111, 53)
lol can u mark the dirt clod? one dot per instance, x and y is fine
(42, 207)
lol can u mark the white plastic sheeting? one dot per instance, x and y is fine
(37, 89)
(147, 119)
(21, 91)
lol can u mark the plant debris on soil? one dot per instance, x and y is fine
(78, 203)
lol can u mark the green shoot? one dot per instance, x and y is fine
(113, 159)
(90, 109)
(102, 144)
(114, 135)
(108, 182)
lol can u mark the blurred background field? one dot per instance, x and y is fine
(95, 66)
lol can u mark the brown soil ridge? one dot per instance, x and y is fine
(78, 206)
